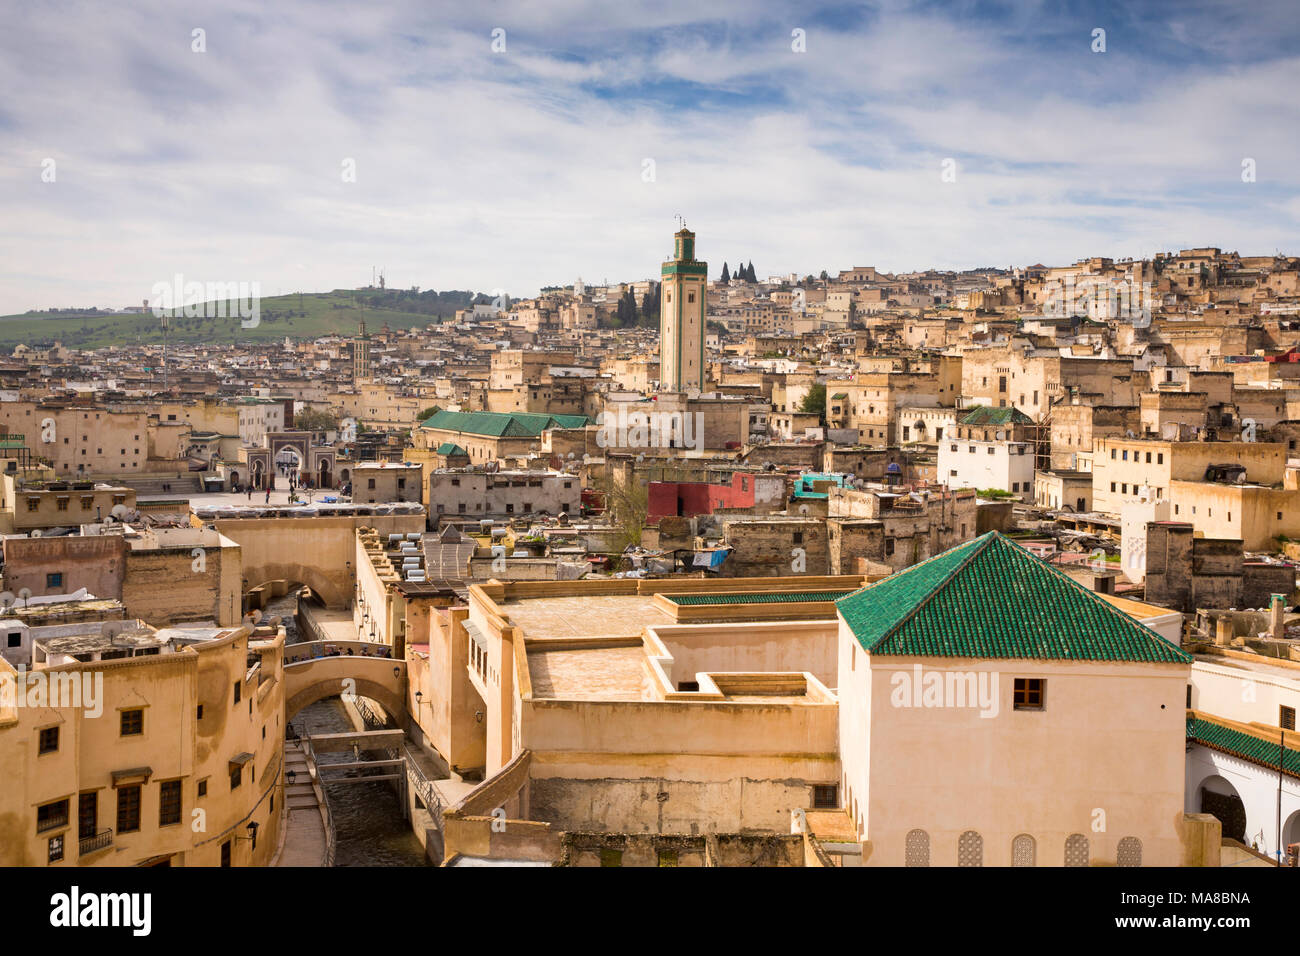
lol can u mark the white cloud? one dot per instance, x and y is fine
(481, 170)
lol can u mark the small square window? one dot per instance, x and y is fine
(52, 815)
(203, 788)
(132, 723)
(49, 740)
(54, 580)
(1029, 693)
(1286, 717)
(826, 796)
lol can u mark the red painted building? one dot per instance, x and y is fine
(685, 499)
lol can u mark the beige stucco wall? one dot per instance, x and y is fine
(176, 744)
(1104, 758)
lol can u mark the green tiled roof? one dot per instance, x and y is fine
(502, 424)
(789, 597)
(987, 415)
(1244, 745)
(990, 598)
(450, 448)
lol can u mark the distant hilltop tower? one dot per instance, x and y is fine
(681, 318)
(361, 353)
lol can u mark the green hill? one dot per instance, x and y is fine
(300, 315)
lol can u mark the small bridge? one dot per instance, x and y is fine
(315, 670)
(358, 742)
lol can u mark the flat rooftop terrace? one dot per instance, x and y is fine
(588, 615)
(590, 673)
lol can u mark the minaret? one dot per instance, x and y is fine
(361, 354)
(681, 318)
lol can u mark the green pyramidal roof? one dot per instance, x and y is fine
(990, 598)
(987, 415)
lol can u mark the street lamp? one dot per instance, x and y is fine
(252, 834)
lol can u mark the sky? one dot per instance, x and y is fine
(507, 146)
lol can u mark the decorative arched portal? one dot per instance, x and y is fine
(323, 475)
(1220, 798)
(289, 462)
(234, 480)
(259, 475)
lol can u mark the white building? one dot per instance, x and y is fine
(257, 416)
(989, 448)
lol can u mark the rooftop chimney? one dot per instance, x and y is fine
(1223, 631)
(1276, 628)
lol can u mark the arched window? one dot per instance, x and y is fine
(1022, 850)
(1130, 852)
(970, 849)
(918, 848)
(1076, 850)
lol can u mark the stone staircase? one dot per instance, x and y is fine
(299, 795)
(309, 836)
(150, 487)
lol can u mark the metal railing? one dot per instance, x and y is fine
(102, 839)
(423, 786)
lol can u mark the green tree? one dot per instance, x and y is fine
(316, 420)
(815, 400)
(726, 273)
(650, 306)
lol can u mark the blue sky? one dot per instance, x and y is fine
(527, 167)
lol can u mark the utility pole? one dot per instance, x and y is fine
(166, 321)
(1281, 754)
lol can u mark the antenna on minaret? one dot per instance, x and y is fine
(680, 220)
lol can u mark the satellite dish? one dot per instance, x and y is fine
(6, 600)
(119, 512)
(36, 532)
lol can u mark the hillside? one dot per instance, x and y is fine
(299, 315)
